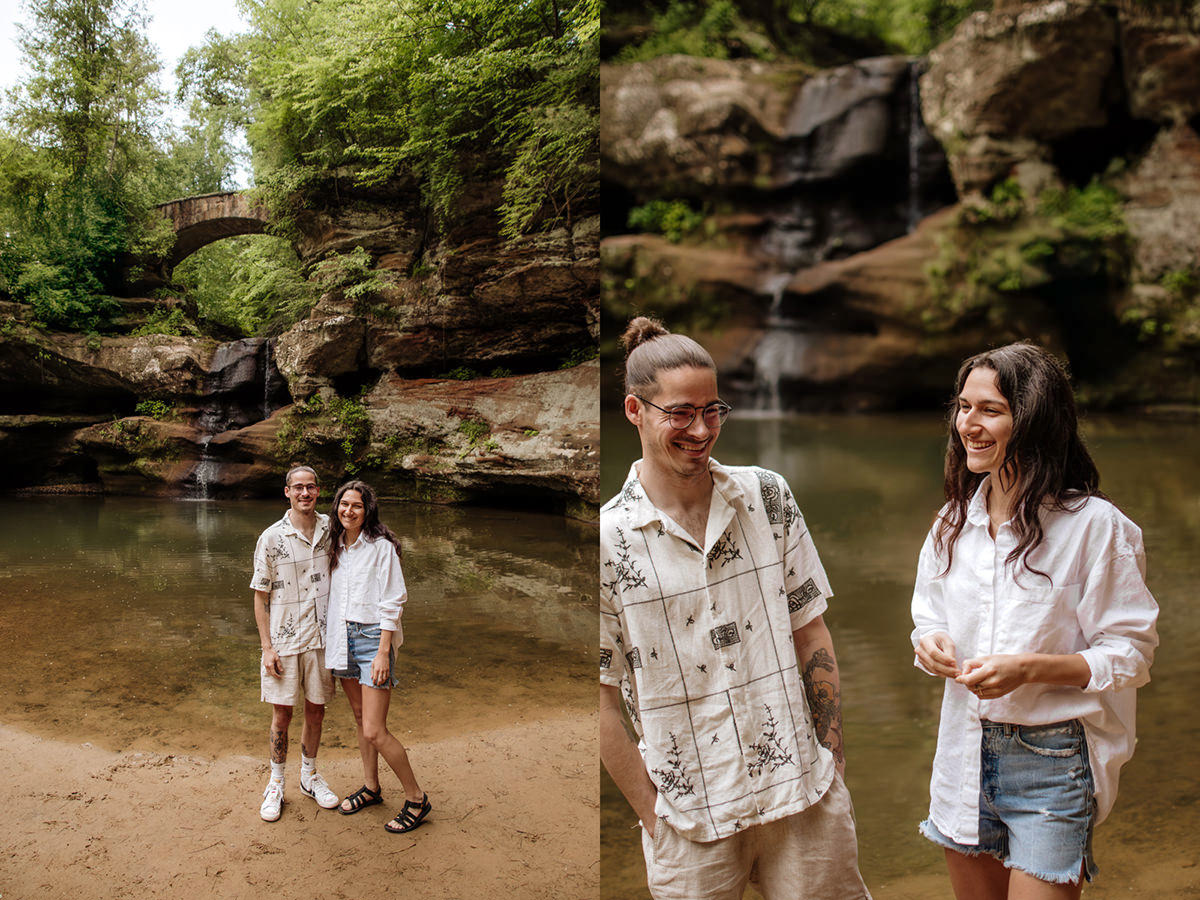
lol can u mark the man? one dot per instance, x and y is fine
(291, 596)
(711, 632)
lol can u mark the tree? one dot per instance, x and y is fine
(82, 133)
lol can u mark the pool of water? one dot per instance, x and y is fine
(129, 622)
(869, 487)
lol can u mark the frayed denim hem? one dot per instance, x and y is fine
(1088, 872)
(930, 832)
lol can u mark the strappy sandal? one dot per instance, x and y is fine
(361, 799)
(407, 819)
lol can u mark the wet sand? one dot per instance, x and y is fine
(515, 815)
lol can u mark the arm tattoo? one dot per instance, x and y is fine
(824, 701)
(279, 745)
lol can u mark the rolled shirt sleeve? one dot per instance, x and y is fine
(392, 592)
(612, 661)
(1117, 614)
(264, 572)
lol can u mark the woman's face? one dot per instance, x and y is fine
(350, 511)
(984, 421)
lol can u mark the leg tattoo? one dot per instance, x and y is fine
(279, 745)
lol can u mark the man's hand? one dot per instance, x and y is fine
(936, 653)
(380, 667)
(272, 663)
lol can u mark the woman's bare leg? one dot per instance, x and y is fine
(979, 877)
(366, 750)
(375, 703)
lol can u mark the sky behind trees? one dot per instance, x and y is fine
(174, 26)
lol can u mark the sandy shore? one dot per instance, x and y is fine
(515, 815)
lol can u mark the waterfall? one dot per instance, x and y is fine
(781, 351)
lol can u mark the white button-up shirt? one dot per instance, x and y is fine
(367, 587)
(1098, 606)
(295, 573)
(699, 640)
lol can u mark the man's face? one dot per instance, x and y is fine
(672, 451)
(302, 492)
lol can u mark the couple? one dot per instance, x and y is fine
(329, 592)
(1030, 602)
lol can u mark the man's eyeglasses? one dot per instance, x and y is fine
(303, 488)
(682, 417)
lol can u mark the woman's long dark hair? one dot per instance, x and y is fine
(372, 527)
(1045, 455)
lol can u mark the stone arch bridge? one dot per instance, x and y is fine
(197, 221)
(205, 218)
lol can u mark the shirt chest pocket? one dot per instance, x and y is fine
(1044, 617)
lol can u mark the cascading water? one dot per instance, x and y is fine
(782, 348)
(242, 386)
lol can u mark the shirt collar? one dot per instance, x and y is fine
(319, 531)
(977, 510)
(641, 511)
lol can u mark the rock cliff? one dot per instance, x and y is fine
(463, 377)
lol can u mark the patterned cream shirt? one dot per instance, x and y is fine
(699, 640)
(296, 574)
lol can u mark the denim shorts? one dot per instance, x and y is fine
(1036, 801)
(362, 643)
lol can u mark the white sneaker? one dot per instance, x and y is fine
(272, 803)
(319, 791)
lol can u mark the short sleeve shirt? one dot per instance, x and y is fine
(699, 640)
(295, 573)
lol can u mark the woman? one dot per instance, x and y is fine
(1030, 602)
(366, 600)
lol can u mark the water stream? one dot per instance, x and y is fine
(128, 622)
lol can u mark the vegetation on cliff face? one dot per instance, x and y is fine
(442, 93)
(445, 91)
(824, 32)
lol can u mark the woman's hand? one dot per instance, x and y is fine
(989, 677)
(380, 667)
(936, 653)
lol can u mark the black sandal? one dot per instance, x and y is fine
(406, 819)
(361, 799)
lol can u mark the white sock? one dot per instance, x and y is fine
(277, 770)
(308, 765)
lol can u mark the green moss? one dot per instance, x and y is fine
(673, 219)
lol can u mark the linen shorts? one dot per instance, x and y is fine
(362, 643)
(811, 854)
(304, 678)
(1037, 801)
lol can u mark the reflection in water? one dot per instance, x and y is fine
(129, 622)
(869, 487)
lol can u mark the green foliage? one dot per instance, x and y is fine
(500, 372)
(690, 28)
(1003, 246)
(445, 91)
(461, 373)
(167, 321)
(251, 284)
(674, 219)
(155, 409)
(1181, 284)
(352, 275)
(764, 28)
(336, 430)
(579, 356)
(78, 172)
(474, 430)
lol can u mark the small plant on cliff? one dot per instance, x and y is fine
(578, 357)
(154, 409)
(673, 219)
(353, 275)
(170, 322)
